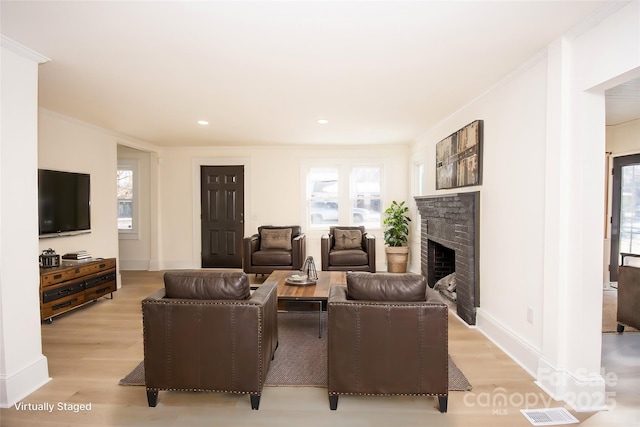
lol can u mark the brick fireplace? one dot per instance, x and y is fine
(450, 243)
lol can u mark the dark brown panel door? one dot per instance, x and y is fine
(222, 215)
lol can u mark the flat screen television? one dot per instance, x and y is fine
(64, 202)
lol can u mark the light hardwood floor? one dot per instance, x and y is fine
(91, 348)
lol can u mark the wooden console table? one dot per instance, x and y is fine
(75, 283)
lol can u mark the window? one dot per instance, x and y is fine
(127, 198)
(332, 200)
(322, 195)
(365, 195)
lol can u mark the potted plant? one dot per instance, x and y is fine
(396, 234)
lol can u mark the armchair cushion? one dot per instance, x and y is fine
(347, 239)
(365, 286)
(206, 285)
(348, 257)
(275, 238)
(272, 257)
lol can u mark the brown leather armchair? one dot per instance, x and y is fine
(387, 336)
(205, 332)
(348, 249)
(628, 297)
(274, 248)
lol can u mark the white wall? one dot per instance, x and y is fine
(273, 191)
(511, 196)
(594, 58)
(542, 202)
(624, 139)
(69, 145)
(23, 367)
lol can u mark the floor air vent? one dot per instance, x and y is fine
(549, 416)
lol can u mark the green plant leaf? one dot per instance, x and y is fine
(396, 222)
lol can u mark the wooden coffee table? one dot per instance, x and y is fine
(308, 293)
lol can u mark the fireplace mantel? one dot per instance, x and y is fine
(452, 220)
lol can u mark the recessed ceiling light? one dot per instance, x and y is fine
(203, 122)
(323, 121)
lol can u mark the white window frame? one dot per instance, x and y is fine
(132, 233)
(345, 184)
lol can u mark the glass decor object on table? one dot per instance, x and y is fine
(309, 268)
(306, 276)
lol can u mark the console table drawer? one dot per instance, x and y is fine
(61, 305)
(54, 277)
(97, 266)
(83, 270)
(99, 279)
(98, 291)
(105, 264)
(55, 292)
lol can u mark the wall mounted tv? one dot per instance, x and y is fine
(64, 203)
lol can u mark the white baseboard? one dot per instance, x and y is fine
(520, 351)
(17, 386)
(583, 394)
(155, 265)
(180, 265)
(134, 264)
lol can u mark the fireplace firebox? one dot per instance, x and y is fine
(441, 270)
(450, 243)
(441, 262)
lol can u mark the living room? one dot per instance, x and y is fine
(541, 192)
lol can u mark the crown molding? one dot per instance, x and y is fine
(22, 50)
(595, 18)
(120, 138)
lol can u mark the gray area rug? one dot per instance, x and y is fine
(301, 357)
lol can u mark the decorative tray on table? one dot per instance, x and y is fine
(299, 280)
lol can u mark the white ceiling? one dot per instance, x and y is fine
(623, 102)
(263, 73)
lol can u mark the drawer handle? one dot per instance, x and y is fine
(57, 276)
(103, 265)
(64, 304)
